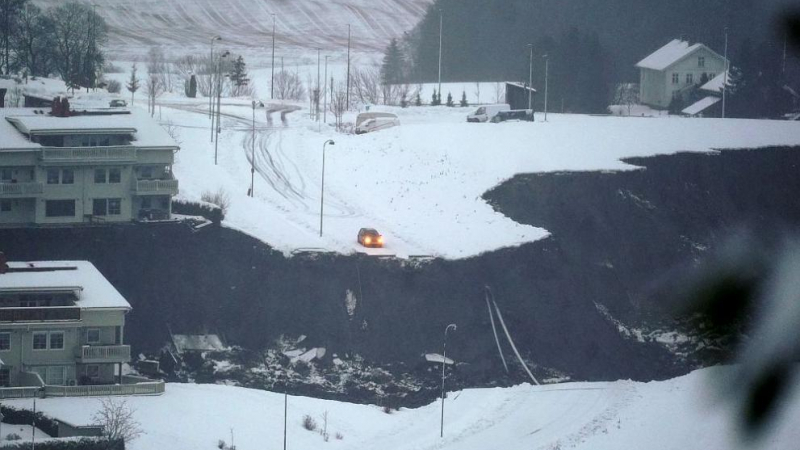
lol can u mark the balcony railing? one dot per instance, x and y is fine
(20, 189)
(88, 155)
(165, 187)
(99, 390)
(105, 353)
(43, 314)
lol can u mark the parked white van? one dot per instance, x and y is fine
(374, 121)
(487, 112)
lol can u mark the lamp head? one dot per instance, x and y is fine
(216, 38)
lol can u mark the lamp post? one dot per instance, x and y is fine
(325, 93)
(530, 76)
(322, 191)
(211, 91)
(272, 83)
(348, 68)
(251, 192)
(546, 74)
(219, 102)
(444, 360)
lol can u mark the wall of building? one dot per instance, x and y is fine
(23, 210)
(714, 65)
(651, 87)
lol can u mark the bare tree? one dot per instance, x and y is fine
(626, 94)
(153, 88)
(117, 420)
(366, 84)
(499, 92)
(288, 86)
(338, 104)
(478, 92)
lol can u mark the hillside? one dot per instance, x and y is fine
(183, 26)
(681, 413)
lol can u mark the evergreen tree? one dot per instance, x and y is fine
(435, 100)
(133, 83)
(238, 76)
(191, 87)
(464, 102)
(393, 64)
(450, 100)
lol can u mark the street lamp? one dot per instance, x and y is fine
(325, 93)
(211, 91)
(546, 74)
(444, 359)
(725, 77)
(251, 192)
(322, 192)
(272, 83)
(441, 15)
(219, 101)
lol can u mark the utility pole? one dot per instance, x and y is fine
(316, 106)
(285, 414)
(348, 68)
(325, 94)
(440, 52)
(211, 86)
(272, 83)
(530, 77)
(725, 77)
(546, 74)
(219, 102)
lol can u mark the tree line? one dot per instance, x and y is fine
(66, 40)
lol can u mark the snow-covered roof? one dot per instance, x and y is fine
(520, 85)
(437, 358)
(83, 276)
(715, 84)
(668, 55)
(197, 343)
(20, 121)
(7, 83)
(700, 105)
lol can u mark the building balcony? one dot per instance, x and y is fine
(98, 390)
(88, 155)
(20, 190)
(105, 354)
(155, 187)
(43, 314)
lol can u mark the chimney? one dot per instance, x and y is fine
(60, 107)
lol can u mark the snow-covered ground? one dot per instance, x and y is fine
(419, 184)
(682, 414)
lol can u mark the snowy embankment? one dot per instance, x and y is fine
(676, 414)
(419, 184)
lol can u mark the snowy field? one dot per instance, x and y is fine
(419, 184)
(675, 414)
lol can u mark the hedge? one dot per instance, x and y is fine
(187, 208)
(14, 416)
(80, 444)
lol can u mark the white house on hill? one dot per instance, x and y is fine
(674, 69)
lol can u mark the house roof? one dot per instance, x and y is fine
(670, 54)
(94, 289)
(701, 105)
(521, 86)
(21, 121)
(715, 84)
(197, 342)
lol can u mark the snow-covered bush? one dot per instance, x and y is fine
(309, 423)
(114, 86)
(13, 437)
(219, 198)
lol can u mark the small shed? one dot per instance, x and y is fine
(517, 95)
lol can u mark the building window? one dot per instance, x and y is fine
(67, 176)
(56, 340)
(6, 175)
(100, 176)
(92, 371)
(5, 377)
(93, 335)
(40, 340)
(675, 78)
(99, 207)
(114, 175)
(52, 176)
(146, 173)
(701, 61)
(114, 206)
(5, 341)
(59, 208)
(5, 205)
(689, 78)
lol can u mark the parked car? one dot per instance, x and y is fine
(117, 103)
(374, 121)
(369, 237)
(516, 114)
(487, 112)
